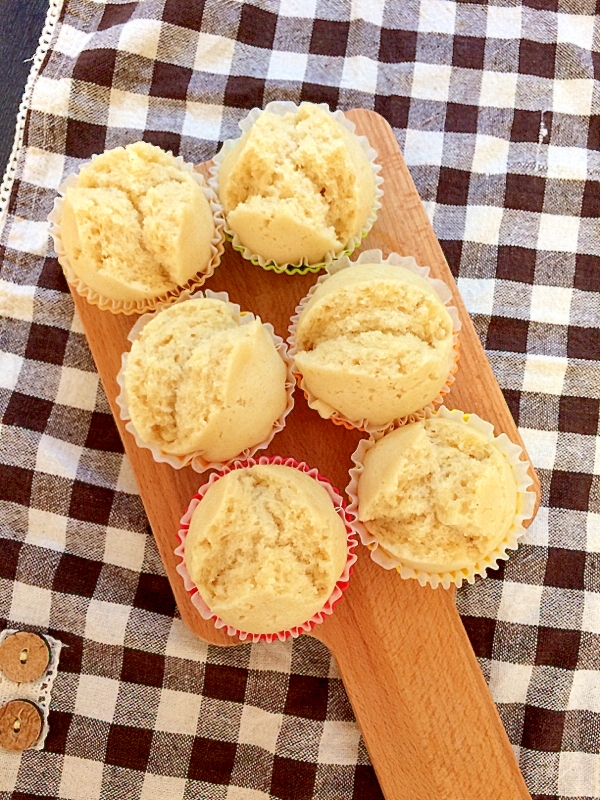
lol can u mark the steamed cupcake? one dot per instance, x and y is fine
(297, 186)
(441, 499)
(373, 343)
(202, 380)
(135, 224)
(265, 548)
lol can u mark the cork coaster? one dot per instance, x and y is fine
(24, 656)
(20, 724)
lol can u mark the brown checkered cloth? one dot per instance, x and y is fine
(497, 111)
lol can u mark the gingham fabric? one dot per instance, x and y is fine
(496, 108)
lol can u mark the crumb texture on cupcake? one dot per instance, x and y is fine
(197, 379)
(296, 186)
(375, 343)
(265, 548)
(135, 225)
(438, 495)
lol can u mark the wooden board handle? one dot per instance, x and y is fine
(428, 720)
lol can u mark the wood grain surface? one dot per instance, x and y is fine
(425, 712)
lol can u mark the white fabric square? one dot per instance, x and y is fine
(431, 81)
(276, 657)
(592, 531)
(482, 224)
(339, 743)
(16, 301)
(573, 96)
(214, 54)
(578, 774)
(46, 529)
(182, 643)
(491, 155)
(178, 712)
(56, 457)
(42, 168)
(301, 9)
(597, 457)
(260, 728)
(585, 690)
(124, 548)
(367, 10)
(77, 388)
(76, 323)
(31, 604)
(126, 481)
(81, 779)
(477, 294)
(127, 110)
(423, 147)
(9, 769)
(509, 682)
(203, 120)
(437, 16)
(430, 207)
(28, 236)
(544, 374)
(551, 304)
(558, 232)
(538, 532)
(10, 367)
(541, 446)
(498, 89)
(106, 622)
(359, 73)
(51, 96)
(140, 37)
(241, 793)
(503, 23)
(576, 29)
(520, 603)
(162, 787)
(591, 612)
(286, 66)
(567, 163)
(96, 697)
(70, 40)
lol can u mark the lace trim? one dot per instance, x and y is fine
(42, 48)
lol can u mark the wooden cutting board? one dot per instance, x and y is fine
(424, 709)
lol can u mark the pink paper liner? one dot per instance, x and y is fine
(443, 292)
(340, 586)
(149, 304)
(525, 509)
(196, 459)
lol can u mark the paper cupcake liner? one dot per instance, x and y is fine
(339, 588)
(525, 507)
(443, 292)
(37, 692)
(149, 304)
(282, 107)
(196, 459)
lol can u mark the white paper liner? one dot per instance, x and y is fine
(525, 507)
(376, 257)
(196, 459)
(148, 304)
(38, 691)
(341, 583)
(282, 107)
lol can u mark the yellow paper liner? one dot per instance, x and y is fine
(376, 257)
(146, 305)
(341, 584)
(196, 459)
(525, 507)
(282, 107)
